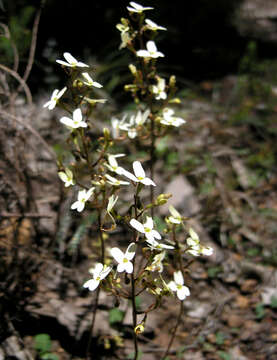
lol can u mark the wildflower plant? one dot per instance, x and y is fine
(101, 177)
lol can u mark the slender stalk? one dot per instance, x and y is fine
(95, 305)
(152, 161)
(134, 312)
(174, 330)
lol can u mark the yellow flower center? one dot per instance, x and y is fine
(125, 260)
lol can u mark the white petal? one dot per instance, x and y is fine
(149, 222)
(183, 292)
(143, 53)
(63, 176)
(131, 251)
(81, 64)
(98, 268)
(77, 115)
(105, 272)
(69, 58)
(138, 169)
(128, 175)
(75, 205)
(63, 62)
(117, 254)
(137, 225)
(61, 92)
(172, 286)
(66, 121)
(151, 46)
(128, 267)
(178, 278)
(81, 206)
(193, 234)
(147, 181)
(91, 284)
(120, 267)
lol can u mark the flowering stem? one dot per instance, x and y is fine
(174, 330)
(134, 315)
(95, 305)
(152, 149)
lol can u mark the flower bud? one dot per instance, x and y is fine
(172, 81)
(139, 329)
(162, 199)
(133, 69)
(107, 134)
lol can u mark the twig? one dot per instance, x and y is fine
(174, 330)
(21, 81)
(95, 306)
(30, 128)
(24, 215)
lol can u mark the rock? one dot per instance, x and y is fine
(257, 19)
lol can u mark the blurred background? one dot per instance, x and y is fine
(206, 40)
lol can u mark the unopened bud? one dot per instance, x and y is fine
(162, 199)
(107, 134)
(172, 81)
(133, 69)
(175, 101)
(139, 329)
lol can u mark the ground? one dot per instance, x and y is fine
(221, 172)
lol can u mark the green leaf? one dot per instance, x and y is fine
(50, 356)
(260, 311)
(132, 355)
(224, 355)
(219, 338)
(42, 343)
(115, 316)
(138, 302)
(214, 271)
(273, 302)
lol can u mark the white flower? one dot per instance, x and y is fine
(83, 196)
(151, 51)
(153, 26)
(157, 264)
(178, 285)
(168, 118)
(71, 61)
(66, 177)
(124, 33)
(146, 229)
(141, 117)
(76, 122)
(99, 272)
(137, 8)
(139, 174)
(175, 217)
(155, 245)
(124, 260)
(115, 182)
(111, 203)
(159, 90)
(118, 125)
(56, 95)
(89, 81)
(113, 165)
(195, 248)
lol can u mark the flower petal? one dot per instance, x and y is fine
(183, 292)
(69, 58)
(138, 169)
(117, 254)
(131, 251)
(137, 225)
(91, 284)
(128, 267)
(178, 278)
